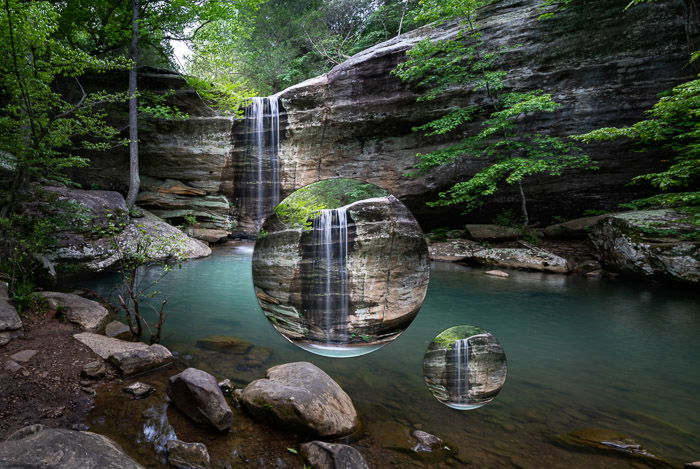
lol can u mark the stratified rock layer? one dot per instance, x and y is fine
(650, 243)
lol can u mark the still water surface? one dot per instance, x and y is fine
(582, 353)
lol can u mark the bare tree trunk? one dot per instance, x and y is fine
(523, 204)
(134, 180)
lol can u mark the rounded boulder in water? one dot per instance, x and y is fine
(341, 267)
(465, 367)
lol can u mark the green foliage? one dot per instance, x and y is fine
(447, 338)
(190, 220)
(673, 124)
(513, 153)
(301, 207)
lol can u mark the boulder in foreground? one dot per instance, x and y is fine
(89, 315)
(300, 396)
(197, 395)
(57, 448)
(322, 455)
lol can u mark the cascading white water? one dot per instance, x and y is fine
(330, 250)
(461, 375)
(262, 184)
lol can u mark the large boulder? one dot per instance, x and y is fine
(58, 448)
(572, 229)
(10, 323)
(196, 394)
(301, 397)
(649, 243)
(322, 455)
(89, 315)
(109, 233)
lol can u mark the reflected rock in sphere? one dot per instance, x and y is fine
(341, 268)
(464, 367)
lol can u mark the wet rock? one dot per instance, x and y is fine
(209, 235)
(572, 229)
(10, 323)
(183, 455)
(609, 442)
(426, 442)
(452, 251)
(300, 396)
(692, 465)
(57, 448)
(89, 315)
(322, 455)
(497, 273)
(518, 258)
(23, 356)
(117, 330)
(648, 243)
(226, 386)
(196, 394)
(135, 361)
(223, 343)
(492, 232)
(139, 390)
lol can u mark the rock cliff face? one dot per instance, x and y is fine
(604, 66)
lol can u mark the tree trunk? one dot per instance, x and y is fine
(523, 204)
(134, 180)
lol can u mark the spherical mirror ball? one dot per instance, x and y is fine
(464, 367)
(341, 267)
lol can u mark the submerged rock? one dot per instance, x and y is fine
(497, 273)
(648, 243)
(89, 315)
(183, 455)
(610, 442)
(58, 448)
(197, 395)
(322, 455)
(224, 343)
(300, 396)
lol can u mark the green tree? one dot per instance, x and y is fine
(514, 153)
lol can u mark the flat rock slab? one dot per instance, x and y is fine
(497, 273)
(135, 361)
(300, 396)
(89, 315)
(23, 356)
(57, 448)
(322, 455)
(106, 346)
(518, 258)
(197, 395)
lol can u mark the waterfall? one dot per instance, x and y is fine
(261, 183)
(330, 276)
(461, 374)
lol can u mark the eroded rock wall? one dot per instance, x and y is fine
(604, 65)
